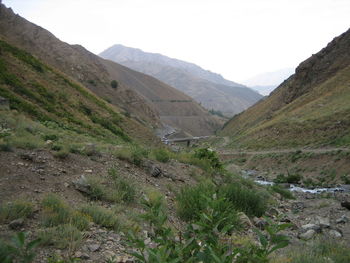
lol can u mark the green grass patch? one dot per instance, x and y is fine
(56, 212)
(102, 216)
(15, 210)
(62, 236)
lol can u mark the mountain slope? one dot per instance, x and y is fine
(96, 74)
(310, 108)
(45, 94)
(210, 89)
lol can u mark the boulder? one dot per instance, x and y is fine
(323, 222)
(245, 221)
(16, 224)
(342, 220)
(308, 234)
(346, 204)
(82, 185)
(335, 233)
(314, 227)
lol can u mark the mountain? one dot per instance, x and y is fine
(266, 82)
(310, 108)
(146, 99)
(208, 88)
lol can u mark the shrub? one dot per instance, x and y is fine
(283, 192)
(132, 154)
(321, 251)
(209, 155)
(5, 147)
(62, 236)
(291, 178)
(250, 201)
(15, 210)
(161, 155)
(19, 250)
(192, 200)
(102, 216)
(56, 212)
(122, 191)
(62, 154)
(114, 84)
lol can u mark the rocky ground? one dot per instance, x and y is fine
(31, 175)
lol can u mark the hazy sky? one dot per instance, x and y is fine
(237, 39)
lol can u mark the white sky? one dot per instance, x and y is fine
(238, 39)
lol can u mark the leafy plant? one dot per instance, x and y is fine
(209, 155)
(19, 250)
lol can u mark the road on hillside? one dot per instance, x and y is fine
(317, 150)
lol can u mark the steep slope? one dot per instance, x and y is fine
(310, 108)
(96, 74)
(46, 95)
(208, 88)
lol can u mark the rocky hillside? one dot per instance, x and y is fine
(310, 108)
(139, 95)
(208, 88)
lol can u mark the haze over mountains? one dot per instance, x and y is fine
(147, 99)
(310, 108)
(266, 82)
(208, 88)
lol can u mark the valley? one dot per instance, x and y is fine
(102, 163)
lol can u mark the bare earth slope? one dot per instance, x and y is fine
(310, 108)
(208, 88)
(96, 74)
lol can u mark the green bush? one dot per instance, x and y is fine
(102, 216)
(62, 236)
(250, 201)
(122, 190)
(132, 154)
(15, 210)
(321, 250)
(114, 84)
(56, 212)
(283, 192)
(192, 200)
(209, 155)
(161, 155)
(19, 250)
(290, 178)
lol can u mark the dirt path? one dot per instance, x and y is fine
(317, 150)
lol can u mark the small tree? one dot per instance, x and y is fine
(114, 84)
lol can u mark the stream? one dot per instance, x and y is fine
(296, 188)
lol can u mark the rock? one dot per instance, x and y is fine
(273, 212)
(16, 224)
(342, 220)
(245, 221)
(335, 233)
(315, 227)
(346, 204)
(94, 247)
(82, 185)
(308, 234)
(298, 206)
(155, 171)
(323, 221)
(260, 223)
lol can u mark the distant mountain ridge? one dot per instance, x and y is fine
(208, 88)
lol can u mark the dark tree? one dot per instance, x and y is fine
(114, 84)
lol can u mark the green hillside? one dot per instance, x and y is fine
(47, 96)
